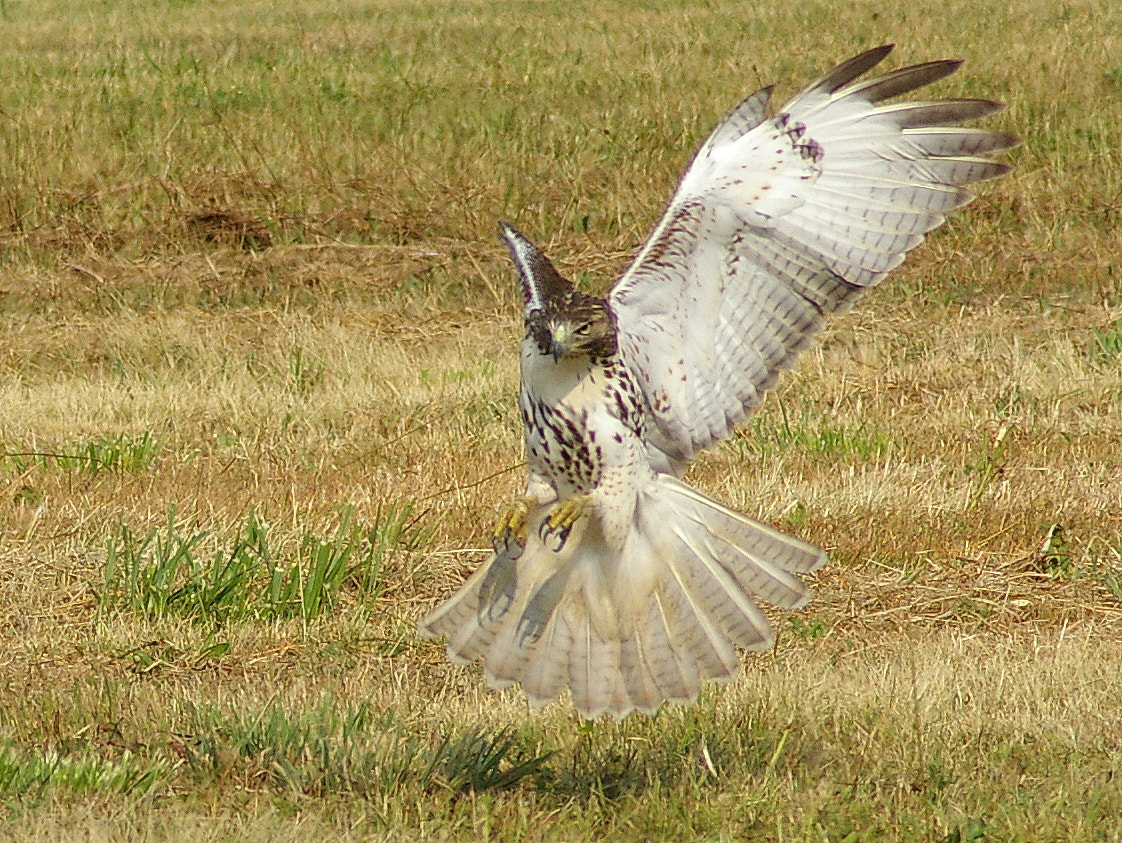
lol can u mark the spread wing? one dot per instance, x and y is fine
(780, 221)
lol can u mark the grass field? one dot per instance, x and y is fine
(257, 412)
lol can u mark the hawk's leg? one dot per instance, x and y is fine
(511, 528)
(561, 519)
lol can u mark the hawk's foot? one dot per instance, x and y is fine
(562, 518)
(511, 529)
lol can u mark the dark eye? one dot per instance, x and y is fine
(582, 330)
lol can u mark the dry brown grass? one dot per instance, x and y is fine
(264, 240)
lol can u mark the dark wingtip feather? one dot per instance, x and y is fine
(981, 108)
(929, 113)
(849, 70)
(746, 116)
(905, 79)
(999, 168)
(1002, 141)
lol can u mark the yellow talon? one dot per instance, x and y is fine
(562, 518)
(511, 528)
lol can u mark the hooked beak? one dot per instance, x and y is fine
(557, 349)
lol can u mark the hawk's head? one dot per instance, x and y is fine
(563, 321)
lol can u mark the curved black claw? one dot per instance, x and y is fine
(561, 534)
(561, 520)
(509, 535)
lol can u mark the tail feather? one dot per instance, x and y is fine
(756, 575)
(763, 543)
(626, 631)
(637, 668)
(542, 680)
(659, 660)
(469, 618)
(470, 642)
(594, 673)
(708, 649)
(673, 671)
(473, 623)
(582, 681)
(506, 657)
(717, 597)
(520, 633)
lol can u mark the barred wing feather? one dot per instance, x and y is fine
(779, 221)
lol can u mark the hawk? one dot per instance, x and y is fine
(611, 577)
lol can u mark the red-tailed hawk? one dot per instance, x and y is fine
(611, 577)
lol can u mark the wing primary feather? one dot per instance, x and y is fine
(847, 71)
(749, 114)
(901, 81)
(918, 115)
(958, 140)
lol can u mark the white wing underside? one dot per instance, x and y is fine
(780, 221)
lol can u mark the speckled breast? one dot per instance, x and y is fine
(562, 446)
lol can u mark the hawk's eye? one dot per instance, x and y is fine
(583, 330)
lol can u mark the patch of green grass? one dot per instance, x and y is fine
(967, 832)
(988, 466)
(477, 760)
(305, 371)
(1056, 555)
(1106, 347)
(109, 453)
(806, 629)
(151, 656)
(336, 749)
(29, 775)
(1108, 563)
(253, 576)
(768, 434)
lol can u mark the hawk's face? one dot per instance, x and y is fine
(561, 320)
(575, 325)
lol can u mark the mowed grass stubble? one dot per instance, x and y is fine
(257, 405)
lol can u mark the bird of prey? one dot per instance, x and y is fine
(611, 577)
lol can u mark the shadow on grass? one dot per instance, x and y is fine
(350, 749)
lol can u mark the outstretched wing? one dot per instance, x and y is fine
(780, 221)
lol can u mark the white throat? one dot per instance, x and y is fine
(553, 382)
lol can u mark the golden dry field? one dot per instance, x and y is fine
(258, 414)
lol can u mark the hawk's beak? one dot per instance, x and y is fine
(557, 349)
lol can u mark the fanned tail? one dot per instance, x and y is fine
(628, 629)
